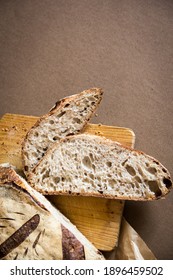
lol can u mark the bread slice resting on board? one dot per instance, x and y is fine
(91, 165)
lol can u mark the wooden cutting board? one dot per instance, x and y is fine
(98, 219)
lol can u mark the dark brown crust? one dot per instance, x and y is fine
(71, 247)
(101, 195)
(19, 236)
(64, 101)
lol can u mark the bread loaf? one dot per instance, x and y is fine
(31, 228)
(68, 116)
(92, 165)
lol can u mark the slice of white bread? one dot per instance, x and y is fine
(95, 166)
(31, 228)
(68, 116)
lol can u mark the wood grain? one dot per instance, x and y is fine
(98, 219)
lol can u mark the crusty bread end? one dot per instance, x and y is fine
(33, 229)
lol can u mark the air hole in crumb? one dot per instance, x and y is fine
(91, 98)
(91, 176)
(101, 192)
(124, 162)
(138, 179)
(137, 185)
(70, 134)
(130, 170)
(109, 164)
(43, 170)
(51, 122)
(140, 171)
(26, 154)
(56, 180)
(76, 120)
(45, 175)
(66, 105)
(152, 170)
(93, 167)
(86, 180)
(26, 168)
(91, 156)
(60, 115)
(153, 185)
(55, 138)
(111, 183)
(164, 170)
(167, 182)
(86, 163)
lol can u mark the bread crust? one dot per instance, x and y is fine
(42, 232)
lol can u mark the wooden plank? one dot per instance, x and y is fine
(98, 219)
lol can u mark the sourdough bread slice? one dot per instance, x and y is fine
(68, 116)
(95, 166)
(31, 228)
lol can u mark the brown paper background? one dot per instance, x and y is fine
(51, 49)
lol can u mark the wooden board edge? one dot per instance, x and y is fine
(89, 127)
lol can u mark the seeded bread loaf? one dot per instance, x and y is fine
(31, 228)
(68, 116)
(91, 165)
